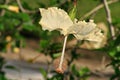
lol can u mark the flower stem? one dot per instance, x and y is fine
(63, 52)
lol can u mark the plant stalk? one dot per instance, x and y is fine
(63, 52)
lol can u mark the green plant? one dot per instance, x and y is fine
(114, 53)
(22, 23)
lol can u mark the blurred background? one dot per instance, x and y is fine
(29, 53)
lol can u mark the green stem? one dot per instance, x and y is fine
(4, 6)
(63, 52)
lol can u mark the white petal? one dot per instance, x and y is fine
(82, 27)
(55, 19)
(86, 31)
(94, 35)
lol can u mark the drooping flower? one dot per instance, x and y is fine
(57, 19)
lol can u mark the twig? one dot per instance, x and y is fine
(20, 6)
(109, 18)
(96, 9)
(36, 57)
(22, 9)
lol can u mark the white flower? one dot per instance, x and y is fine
(57, 19)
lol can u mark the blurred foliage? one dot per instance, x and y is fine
(114, 53)
(82, 73)
(74, 73)
(22, 24)
(2, 74)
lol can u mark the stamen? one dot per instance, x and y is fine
(59, 69)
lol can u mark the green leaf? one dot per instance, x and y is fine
(3, 6)
(18, 16)
(44, 43)
(83, 71)
(24, 16)
(116, 21)
(55, 55)
(28, 26)
(117, 41)
(57, 77)
(2, 76)
(112, 52)
(118, 48)
(74, 70)
(72, 13)
(1, 27)
(55, 46)
(43, 72)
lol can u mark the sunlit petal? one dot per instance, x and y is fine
(86, 31)
(55, 19)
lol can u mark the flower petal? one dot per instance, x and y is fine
(86, 31)
(94, 35)
(82, 27)
(55, 19)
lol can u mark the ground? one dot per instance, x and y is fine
(29, 70)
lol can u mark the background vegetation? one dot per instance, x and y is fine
(21, 23)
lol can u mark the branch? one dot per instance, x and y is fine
(20, 6)
(22, 9)
(109, 18)
(96, 9)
